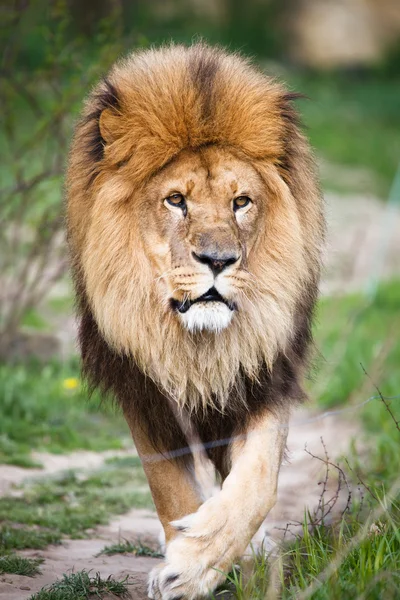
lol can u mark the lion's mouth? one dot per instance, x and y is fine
(212, 295)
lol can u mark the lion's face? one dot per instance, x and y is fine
(203, 212)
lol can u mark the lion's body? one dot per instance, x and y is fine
(195, 127)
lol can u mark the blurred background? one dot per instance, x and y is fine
(344, 55)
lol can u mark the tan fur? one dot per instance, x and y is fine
(176, 492)
(212, 538)
(159, 134)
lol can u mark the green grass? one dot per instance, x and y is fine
(12, 453)
(17, 565)
(372, 566)
(350, 332)
(46, 408)
(33, 320)
(127, 547)
(352, 122)
(74, 502)
(21, 538)
(83, 586)
(124, 461)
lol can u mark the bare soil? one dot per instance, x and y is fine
(363, 243)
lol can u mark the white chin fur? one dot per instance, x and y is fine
(213, 316)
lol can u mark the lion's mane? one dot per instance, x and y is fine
(162, 102)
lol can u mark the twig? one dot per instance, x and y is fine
(361, 481)
(334, 499)
(382, 397)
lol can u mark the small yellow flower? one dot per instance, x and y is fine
(71, 383)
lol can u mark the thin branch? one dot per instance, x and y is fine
(385, 402)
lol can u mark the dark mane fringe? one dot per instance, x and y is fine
(107, 97)
(294, 123)
(203, 69)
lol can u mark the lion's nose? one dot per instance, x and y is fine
(216, 262)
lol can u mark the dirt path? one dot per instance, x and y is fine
(298, 487)
(362, 243)
(10, 475)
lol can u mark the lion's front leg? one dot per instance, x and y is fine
(212, 538)
(172, 482)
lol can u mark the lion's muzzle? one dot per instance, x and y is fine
(212, 295)
(210, 311)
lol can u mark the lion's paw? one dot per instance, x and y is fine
(196, 561)
(179, 580)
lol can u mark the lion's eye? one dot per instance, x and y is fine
(241, 202)
(177, 200)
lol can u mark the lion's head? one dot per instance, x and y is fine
(194, 218)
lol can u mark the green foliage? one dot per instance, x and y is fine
(82, 586)
(20, 538)
(352, 122)
(34, 320)
(17, 565)
(124, 461)
(329, 562)
(46, 408)
(365, 566)
(45, 72)
(238, 25)
(128, 547)
(350, 332)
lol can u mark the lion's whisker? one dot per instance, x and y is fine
(242, 291)
(163, 274)
(248, 272)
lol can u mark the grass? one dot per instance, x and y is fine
(20, 538)
(74, 502)
(353, 123)
(372, 567)
(127, 547)
(18, 565)
(350, 332)
(82, 586)
(124, 462)
(71, 504)
(45, 407)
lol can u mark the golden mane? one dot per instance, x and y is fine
(151, 107)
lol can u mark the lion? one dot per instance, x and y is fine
(195, 226)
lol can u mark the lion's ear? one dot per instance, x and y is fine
(108, 125)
